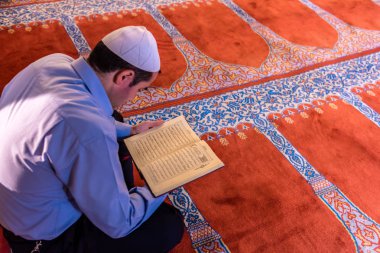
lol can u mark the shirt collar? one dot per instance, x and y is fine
(92, 83)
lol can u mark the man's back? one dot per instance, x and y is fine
(33, 132)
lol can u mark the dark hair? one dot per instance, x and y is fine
(104, 60)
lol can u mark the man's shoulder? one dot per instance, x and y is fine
(52, 61)
(56, 57)
(53, 65)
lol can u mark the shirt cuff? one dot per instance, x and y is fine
(122, 130)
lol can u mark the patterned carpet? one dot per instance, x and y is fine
(285, 92)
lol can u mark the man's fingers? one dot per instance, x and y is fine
(156, 123)
(148, 125)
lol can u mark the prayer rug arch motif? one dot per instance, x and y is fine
(363, 230)
(278, 61)
(205, 74)
(211, 22)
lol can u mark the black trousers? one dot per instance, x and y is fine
(160, 233)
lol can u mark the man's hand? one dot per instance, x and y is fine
(142, 127)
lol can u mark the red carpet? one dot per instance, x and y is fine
(27, 43)
(228, 40)
(264, 205)
(348, 151)
(363, 13)
(293, 21)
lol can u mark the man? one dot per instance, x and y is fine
(62, 187)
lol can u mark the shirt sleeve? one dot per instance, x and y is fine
(122, 130)
(91, 170)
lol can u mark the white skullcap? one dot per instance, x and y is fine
(135, 45)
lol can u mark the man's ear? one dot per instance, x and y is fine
(124, 78)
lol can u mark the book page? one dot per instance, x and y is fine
(161, 141)
(180, 167)
(192, 157)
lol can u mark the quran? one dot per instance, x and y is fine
(171, 155)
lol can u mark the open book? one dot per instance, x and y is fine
(171, 155)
